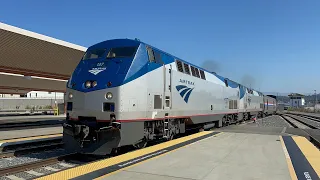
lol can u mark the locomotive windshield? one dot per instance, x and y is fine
(120, 52)
(94, 54)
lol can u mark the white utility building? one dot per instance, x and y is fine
(296, 100)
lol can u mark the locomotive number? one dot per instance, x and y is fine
(100, 64)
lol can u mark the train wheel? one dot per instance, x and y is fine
(171, 137)
(114, 151)
(224, 121)
(141, 144)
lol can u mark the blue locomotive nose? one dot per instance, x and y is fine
(107, 73)
(96, 74)
(107, 63)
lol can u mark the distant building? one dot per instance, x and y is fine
(296, 100)
(35, 94)
(36, 99)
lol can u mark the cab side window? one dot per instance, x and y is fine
(150, 54)
(154, 56)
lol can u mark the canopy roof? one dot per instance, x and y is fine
(21, 83)
(12, 91)
(31, 54)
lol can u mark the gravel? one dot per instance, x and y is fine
(270, 121)
(25, 175)
(4, 178)
(43, 171)
(13, 161)
(308, 121)
(57, 166)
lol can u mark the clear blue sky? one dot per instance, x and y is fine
(273, 44)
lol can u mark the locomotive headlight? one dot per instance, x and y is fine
(109, 95)
(94, 83)
(70, 95)
(88, 84)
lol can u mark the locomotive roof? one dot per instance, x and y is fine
(137, 42)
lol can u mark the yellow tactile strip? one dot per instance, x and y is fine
(85, 169)
(30, 138)
(309, 151)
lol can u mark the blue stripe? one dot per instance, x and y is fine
(184, 91)
(186, 98)
(180, 87)
(242, 92)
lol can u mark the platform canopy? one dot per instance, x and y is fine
(21, 83)
(27, 53)
(13, 91)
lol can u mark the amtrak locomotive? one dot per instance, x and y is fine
(126, 92)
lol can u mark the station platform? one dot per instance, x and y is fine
(15, 119)
(20, 137)
(16, 134)
(27, 140)
(209, 155)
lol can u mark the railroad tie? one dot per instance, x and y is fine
(66, 165)
(51, 169)
(34, 173)
(13, 177)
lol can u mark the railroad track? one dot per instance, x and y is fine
(11, 172)
(291, 121)
(306, 123)
(308, 128)
(313, 118)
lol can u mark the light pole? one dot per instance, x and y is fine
(55, 99)
(315, 103)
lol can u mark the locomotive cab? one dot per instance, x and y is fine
(95, 99)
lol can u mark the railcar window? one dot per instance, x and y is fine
(226, 82)
(179, 66)
(186, 68)
(122, 52)
(197, 72)
(202, 75)
(193, 71)
(94, 54)
(157, 57)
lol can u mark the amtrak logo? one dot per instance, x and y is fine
(96, 71)
(186, 82)
(184, 92)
